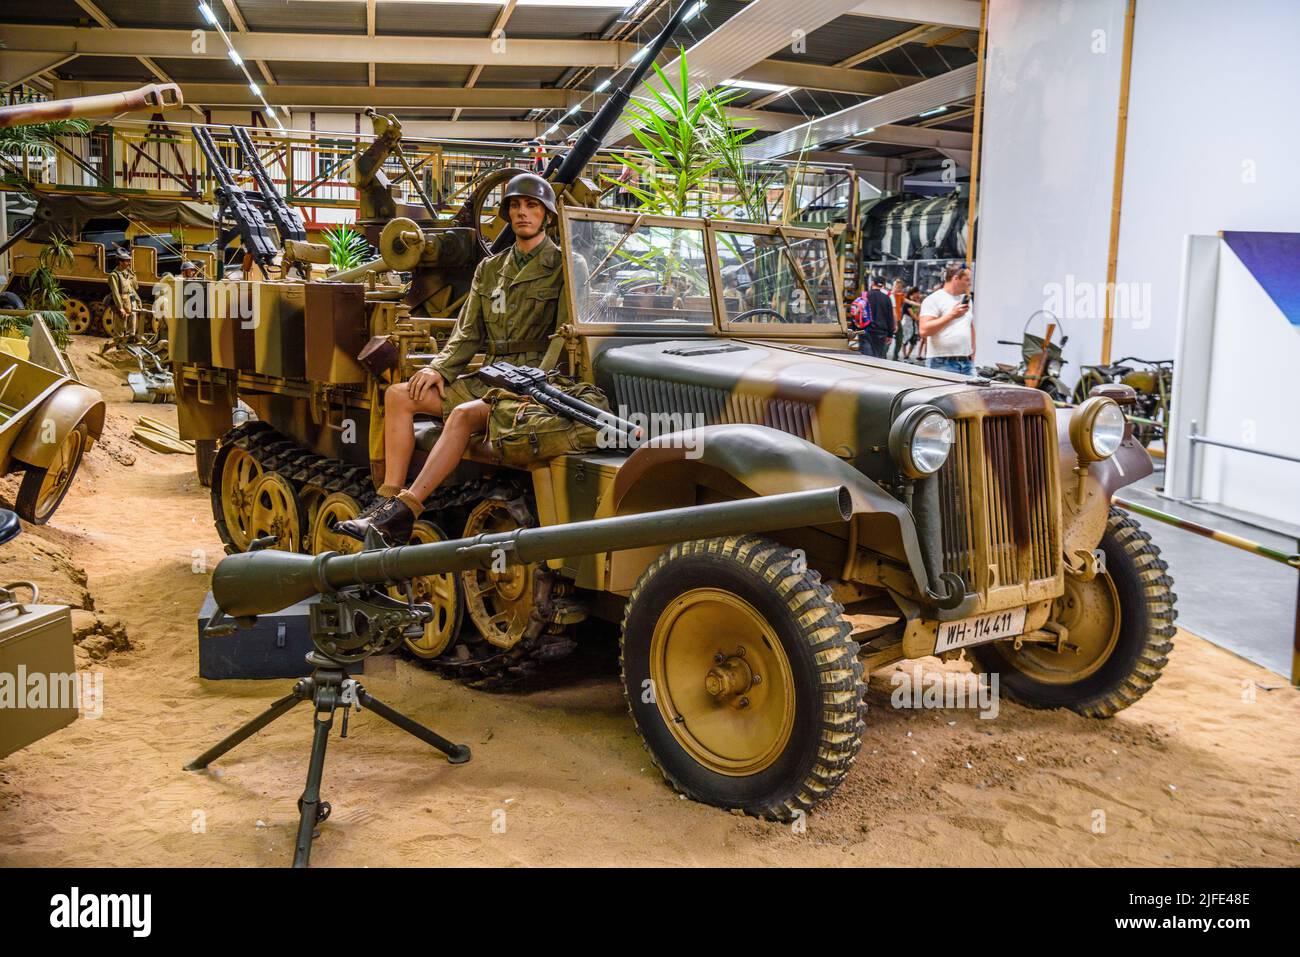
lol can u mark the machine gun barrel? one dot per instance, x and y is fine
(565, 168)
(527, 381)
(262, 582)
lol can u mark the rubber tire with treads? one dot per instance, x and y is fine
(828, 682)
(28, 502)
(205, 450)
(1146, 633)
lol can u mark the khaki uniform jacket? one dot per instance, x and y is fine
(125, 290)
(510, 314)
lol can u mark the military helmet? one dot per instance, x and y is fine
(123, 255)
(187, 264)
(532, 186)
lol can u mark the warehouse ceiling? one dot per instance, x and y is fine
(543, 72)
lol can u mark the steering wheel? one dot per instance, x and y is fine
(761, 310)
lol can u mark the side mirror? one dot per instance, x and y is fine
(9, 525)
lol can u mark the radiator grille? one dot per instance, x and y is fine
(997, 499)
(715, 406)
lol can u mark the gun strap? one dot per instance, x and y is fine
(553, 349)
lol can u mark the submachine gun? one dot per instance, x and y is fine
(535, 384)
(356, 617)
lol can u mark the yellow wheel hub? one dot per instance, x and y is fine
(78, 315)
(438, 591)
(337, 507)
(275, 511)
(1090, 613)
(722, 681)
(498, 600)
(60, 471)
(240, 473)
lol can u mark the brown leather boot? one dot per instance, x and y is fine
(393, 519)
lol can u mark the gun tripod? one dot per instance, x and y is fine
(329, 688)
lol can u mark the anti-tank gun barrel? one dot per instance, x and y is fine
(154, 96)
(262, 582)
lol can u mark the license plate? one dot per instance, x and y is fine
(981, 628)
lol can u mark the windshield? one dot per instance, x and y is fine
(637, 272)
(776, 279)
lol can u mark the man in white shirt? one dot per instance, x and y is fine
(948, 325)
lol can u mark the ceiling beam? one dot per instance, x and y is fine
(358, 97)
(916, 136)
(951, 87)
(370, 32)
(16, 68)
(944, 13)
(241, 25)
(100, 17)
(830, 79)
(315, 47)
(759, 29)
(498, 28)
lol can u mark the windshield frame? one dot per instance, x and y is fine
(709, 230)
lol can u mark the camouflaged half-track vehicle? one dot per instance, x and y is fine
(981, 518)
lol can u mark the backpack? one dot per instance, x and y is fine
(860, 312)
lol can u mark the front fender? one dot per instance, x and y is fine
(767, 461)
(1084, 515)
(71, 404)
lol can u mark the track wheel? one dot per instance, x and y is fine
(440, 591)
(1119, 630)
(235, 473)
(741, 676)
(276, 511)
(78, 314)
(499, 601)
(42, 489)
(337, 507)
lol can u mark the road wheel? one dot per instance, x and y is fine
(235, 472)
(42, 489)
(78, 314)
(276, 511)
(325, 537)
(440, 591)
(1120, 632)
(741, 676)
(499, 601)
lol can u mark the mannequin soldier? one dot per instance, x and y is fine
(125, 292)
(515, 302)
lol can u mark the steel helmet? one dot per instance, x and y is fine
(532, 186)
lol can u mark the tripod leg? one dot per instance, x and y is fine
(456, 753)
(247, 731)
(310, 801)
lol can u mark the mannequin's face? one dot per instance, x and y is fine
(527, 217)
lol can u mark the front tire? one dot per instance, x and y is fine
(1122, 623)
(741, 676)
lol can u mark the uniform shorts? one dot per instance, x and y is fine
(522, 431)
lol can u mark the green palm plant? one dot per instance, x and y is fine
(34, 140)
(347, 247)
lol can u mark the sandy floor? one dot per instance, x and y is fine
(1205, 770)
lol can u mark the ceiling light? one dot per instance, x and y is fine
(234, 55)
(935, 112)
(603, 85)
(257, 90)
(694, 12)
(207, 13)
(755, 85)
(638, 55)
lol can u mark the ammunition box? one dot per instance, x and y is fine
(338, 331)
(278, 330)
(232, 317)
(189, 328)
(39, 686)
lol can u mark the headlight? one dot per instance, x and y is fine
(920, 440)
(1097, 429)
